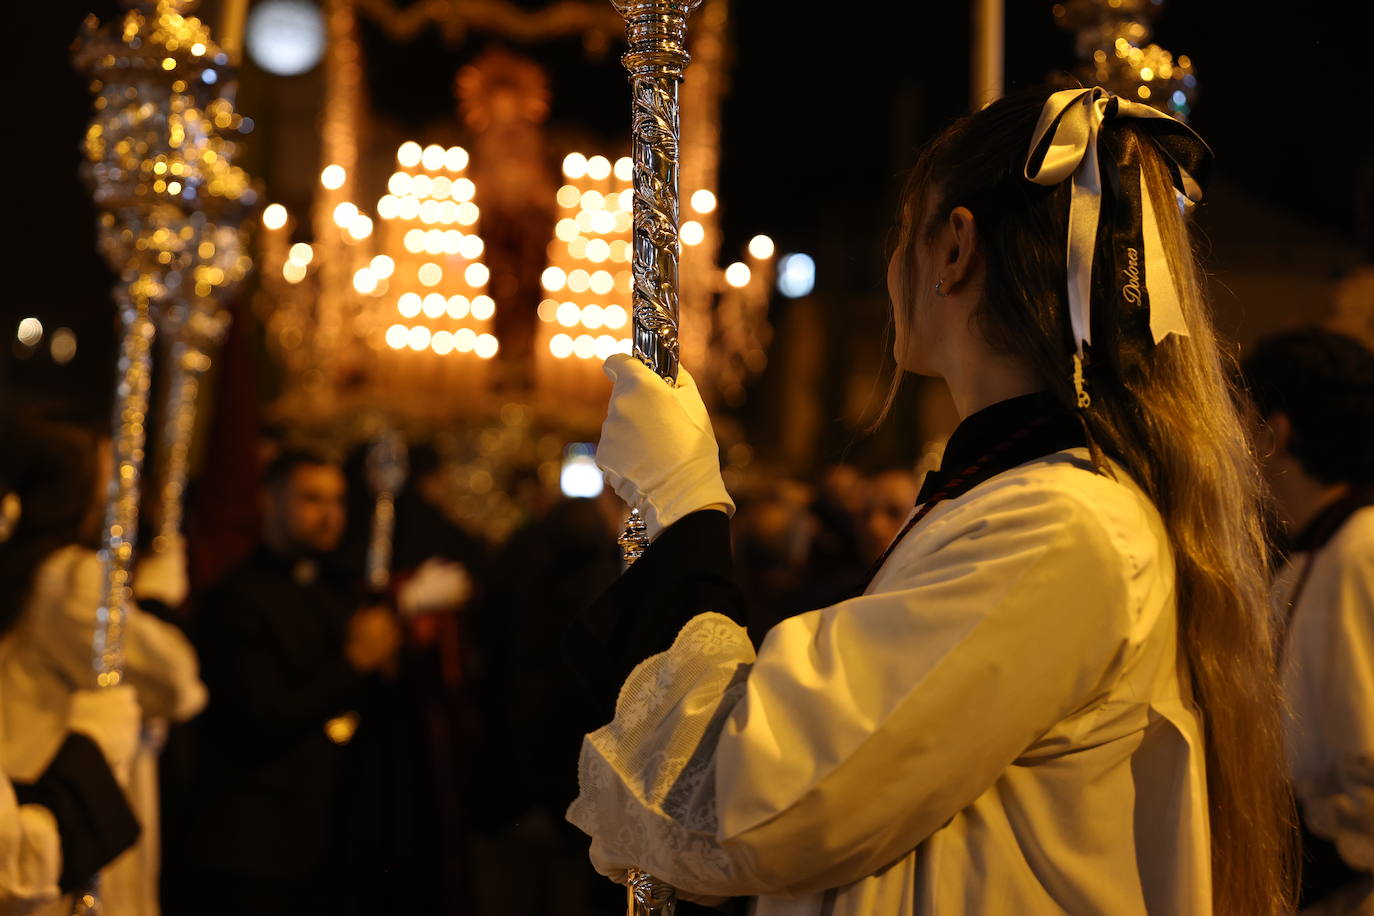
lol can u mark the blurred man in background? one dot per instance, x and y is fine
(293, 666)
(1314, 390)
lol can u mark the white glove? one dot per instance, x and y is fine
(111, 718)
(162, 576)
(657, 449)
(438, 585)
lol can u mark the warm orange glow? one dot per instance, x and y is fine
(553, 279)
(430, 274)
(703, 201)
(364, 280)
(598, 168)
(574, 165)
(737, 274)
(434, 305)
(477, 274)
(360, 228)
(333, 177)
(344, 214)
(433, 156)
(486, 346)
(274, 216)
(483, 307)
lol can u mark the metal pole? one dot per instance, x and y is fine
(156, 164)
(130, 434)
(656, 31)
(387, 466)
(989, 27)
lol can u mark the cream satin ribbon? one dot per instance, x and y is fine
(1076, 117)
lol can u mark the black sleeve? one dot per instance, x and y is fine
(158, 608)
(94, 820)
(686, 572)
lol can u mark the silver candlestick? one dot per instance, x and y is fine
(656, 31)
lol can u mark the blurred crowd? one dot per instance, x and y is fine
(291, 735)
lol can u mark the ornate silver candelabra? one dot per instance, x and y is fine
(656, 31)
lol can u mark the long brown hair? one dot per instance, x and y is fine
(1168, 415)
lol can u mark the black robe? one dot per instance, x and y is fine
(278, 802)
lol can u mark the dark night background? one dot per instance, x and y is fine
(827, 105)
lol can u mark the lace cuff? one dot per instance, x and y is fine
(647, 779)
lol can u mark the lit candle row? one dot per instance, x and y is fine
(449, 276)
(420, 338)
(592, 315)
(585, 346)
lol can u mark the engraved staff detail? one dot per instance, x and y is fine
(656, 31)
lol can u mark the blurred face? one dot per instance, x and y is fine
(845, 487)
(893, 496)
(306, 515)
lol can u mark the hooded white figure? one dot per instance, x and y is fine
(46, 660)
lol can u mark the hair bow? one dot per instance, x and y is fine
(1065, 143)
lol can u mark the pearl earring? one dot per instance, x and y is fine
(939, 291)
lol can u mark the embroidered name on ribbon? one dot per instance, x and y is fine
(1131, 290)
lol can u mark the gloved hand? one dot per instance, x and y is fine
(438, 585)
(111, 718)
(162, 576)
(657, 448)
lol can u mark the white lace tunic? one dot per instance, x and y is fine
(997, 726)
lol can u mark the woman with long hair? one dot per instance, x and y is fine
(1057, 692)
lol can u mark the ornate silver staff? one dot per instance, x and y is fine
(387, 467)
(656, 31)
(154, 164)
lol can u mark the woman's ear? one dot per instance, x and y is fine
(958, 258)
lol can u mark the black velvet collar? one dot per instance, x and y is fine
(987, 443)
